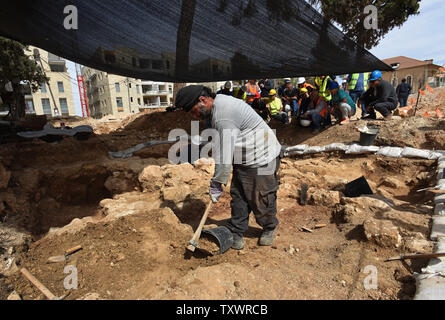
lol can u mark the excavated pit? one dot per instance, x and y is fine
(134, 218)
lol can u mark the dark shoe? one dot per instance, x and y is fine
(267, 238)
(238, 242)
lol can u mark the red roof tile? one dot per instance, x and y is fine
(406, 63)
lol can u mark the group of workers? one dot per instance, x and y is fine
(315, 104)
(241, 113)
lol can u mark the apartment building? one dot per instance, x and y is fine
(157, 94)
(110, 94)
(57, 94)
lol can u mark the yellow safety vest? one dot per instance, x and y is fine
(323, 88)
(354, 80)
(275, 106)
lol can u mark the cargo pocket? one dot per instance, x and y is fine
(268, 198)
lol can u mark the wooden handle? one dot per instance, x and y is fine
(38, 284)
(417, 256)
(73, 250)
(197, 234)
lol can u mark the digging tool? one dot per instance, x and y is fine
(40, 286)
(66, 255)
(437, 191)
(416, 256)
(193, 244)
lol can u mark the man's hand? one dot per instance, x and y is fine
(216, 191)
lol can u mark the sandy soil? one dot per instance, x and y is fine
(134, 217)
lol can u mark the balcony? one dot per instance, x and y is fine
(155, 93)
(154, 105)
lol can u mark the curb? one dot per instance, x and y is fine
(432, 286)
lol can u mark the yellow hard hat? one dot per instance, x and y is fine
(272, 92)
(303, 91)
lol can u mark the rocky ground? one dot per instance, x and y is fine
(134, 217)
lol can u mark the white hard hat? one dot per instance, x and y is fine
(287, 79)
(301, 80)
(305, 123)
(287, 108)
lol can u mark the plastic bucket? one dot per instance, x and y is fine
(224, 237)
(367, 138)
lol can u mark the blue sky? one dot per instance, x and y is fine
(421, 37)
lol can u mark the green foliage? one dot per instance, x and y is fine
(349, 14)
(16, 65)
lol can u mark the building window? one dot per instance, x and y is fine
(170, 89)
(30, 106)
(409, 80)
(137, 89)
(43, 87)
(60, 86)
(131, 99)
(120, 106)
(118, 88)
(46, 105)
(64, 106)
(129, 85)
(139, 101)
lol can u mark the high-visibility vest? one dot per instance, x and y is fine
(323, 87)
(254, 90)
(324, 112)
(240, 94)
(275, 106)
(354, 80)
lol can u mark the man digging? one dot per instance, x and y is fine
(251, 147)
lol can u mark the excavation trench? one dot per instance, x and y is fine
(145, 211)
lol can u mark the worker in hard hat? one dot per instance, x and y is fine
(246, 143)
(275, 107)
(356, 86)
(226, 89)
(253, 91)
(290, 97)
(304, 100)
(322, 84)
(318, 112)
(301, 82)
(343, 105)
(381, 97)
(283, 86)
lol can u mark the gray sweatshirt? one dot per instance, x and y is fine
(245, 138)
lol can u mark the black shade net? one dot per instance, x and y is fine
(190, 40)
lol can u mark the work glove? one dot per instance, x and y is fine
(216, 191)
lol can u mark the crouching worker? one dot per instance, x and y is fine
(344, 106)
(318, 112)
(251, 147)
(275, 107)
(381, 97)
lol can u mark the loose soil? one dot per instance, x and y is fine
(134, 225)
